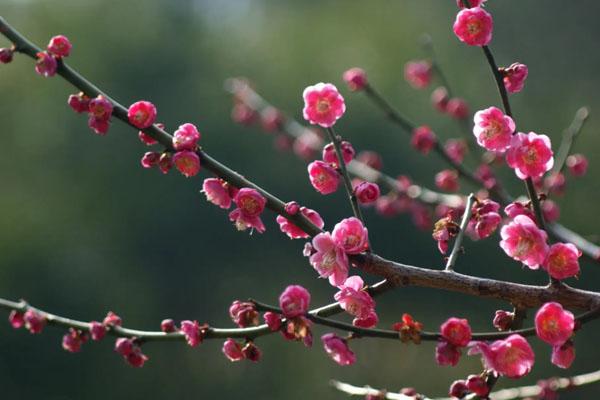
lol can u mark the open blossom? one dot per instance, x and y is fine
(423, 139)
(100, 108)
(408, 329)
(356, 79)
(517, 208)
(186, 137)
(293, 231)
(233, 350)
(298, 329)
(493, 129)
(514, 77)
(141, 114)
(250, 204)
(111, 320)
(511, 357)
(553, 324)
(357, 302)
(484, 219)
(330, 259)
(323, 104)
(330, 156)
(563, 355)
(562, 261)
(351, 234)
(216, 192)
(337, 348)
(577, 164)
(522, 240)
(367, 192)
(243, 313)
(323, 177)
(418, 73)
(473, 26)
(45, 65)
(447, 180)
(187, 162)
(272, 320)
(294, 301)
(456, 331)
(446, 353)
(530, 155)
(192, 331)
(59, 46)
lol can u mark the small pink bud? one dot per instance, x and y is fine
(216, 192)
(323, 104)
(292, 207)
(34, 321)
(97, 330)
(370, 158)
(79, 102)
(563, 355)
(112, 319)
(439, 99)
(233, 350)
(476, 384)
(456, 331)
(367, 192)
(577, 164)
(165, 163)
(459, 388)
(514, 77)
(73, 340)
(16, 319)
(150, 159)
(59, 46)
(418, 73)
(447, 180)
(356, 79)
(272, 320)
(186, 137)
(124, 346)
(6, 55)
(45, 65)
(187, 162)
(337, 348)
(503, 320)
(294, 301)
(141, 114)
(473, 26)
(324, 178)
(100, 108)
(446, 354)
(193, 332)
(243, 313)
(553, 324)
(252, 352)
(457, 108)
(136, 359)
(423, 139)
(168, 326)
(330, 156)
(530, 155)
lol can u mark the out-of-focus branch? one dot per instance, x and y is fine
(568, 139)
(456, 249)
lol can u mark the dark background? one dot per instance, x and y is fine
(84, 229)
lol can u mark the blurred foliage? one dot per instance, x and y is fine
(86, 230)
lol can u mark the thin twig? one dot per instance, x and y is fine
(568, 139)
(456, 249)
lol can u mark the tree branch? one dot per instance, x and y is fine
(461, 234)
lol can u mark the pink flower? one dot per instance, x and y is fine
(443, 230)
(252, 352)
(323, 177)
(357, 302)
(112, 319)
(141, 114)
(530, 155)
(330, 156)
(473, 3)
(577, 164)
(439, 99)
(100, 126)
(273, 321)
(131, 352)
(350, 234)
(243, 313)
(165, 162)
(298, 329)
(150, 159)
(447, 180)
(418, 73)
(294, 301)
(295, 232)
(186, 137)
(484, 219)
(356, 78)
(423, 139)
(563, 355)
(473, 26)
(456, 331)
(250, 204)
(478, 385)
(323, 104)
(503, 320)
(562, 261)
(34, 321)
(493, 129)
(456, 149)
(187, 162)
(216, 192)
(168, 326)
(523, 241)
(458, 388)
(16, 319)
(337, 348)
(59, 46)
(517, 208)
(79, 102)
(233, 350)
(553, 324)
(124, 346)
(45, 65)
(100, 108)
(511, 357)
(457, 108)
(6, 55)
(330, 259)
(446, 353)
(97, 330)
(370, 158)
(367, 192)
(73, 340)
(514, 77)
(193, 332)
(292, 207)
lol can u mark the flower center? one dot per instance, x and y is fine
(323, 106)
(530, 156)
(474, 27)
(249, 205)
(523, 246)
(329, 260)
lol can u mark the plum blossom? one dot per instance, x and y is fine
(530, 155)
(553, 324)
(187, 162)
(357, 302)
(330, 259)
(511, 357)
(45, 65)
(216, 191)
(523, 241)
(356, 79)
(59, 46)
(351, 235)
(337, 348)
(473, 26)
(456, 331)
(250, 204)
(493, 129)
(423, 139)
(294, 301)
(293, 231)
(323, 177)
(514, 77)
(330, 155)
(563, 355)
(577, 164)
(562, 261)
(418, 73)
(186, 137)
(367, 192)
(141, 114)
(323, 104)
(233, 350)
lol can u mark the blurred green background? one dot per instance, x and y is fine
(84, 229)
